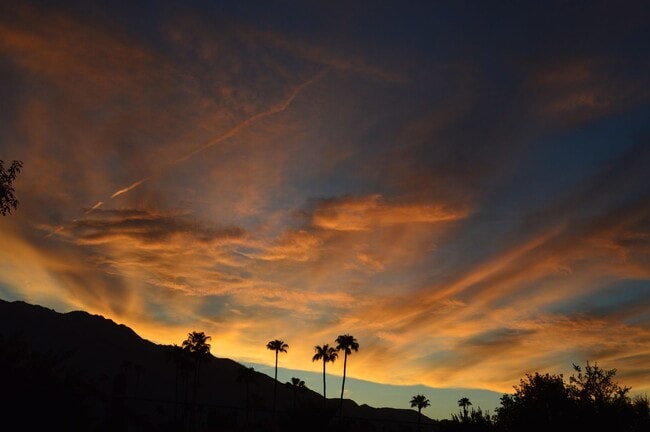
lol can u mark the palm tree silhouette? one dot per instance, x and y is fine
(182, 363)
(464, 403)
(419, 401)
(198, 348)
(328, 354)
(347, 344)
(296, 385)
(278, 346)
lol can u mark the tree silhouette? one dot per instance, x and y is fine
(599, 397)
(591, 401)
(347, 344)
(541, 402)
(7, 198)
(595, 385)
(419, 402)
(198, 347)
(182, 363)
(278, 346)
(327, 354)
(464, 403)
(296, 385)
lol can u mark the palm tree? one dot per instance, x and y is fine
(278, 346)
(296, 384)
(346, 343)
(182, 363)
(464, 403)
(328, 354)
(198, 348)
(419, 401)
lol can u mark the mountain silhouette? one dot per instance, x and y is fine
(79, 371)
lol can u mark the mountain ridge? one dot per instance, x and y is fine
(101, 351)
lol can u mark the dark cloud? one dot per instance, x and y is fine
(496, 339)
(102, 225)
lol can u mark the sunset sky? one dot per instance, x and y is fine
(462, 186)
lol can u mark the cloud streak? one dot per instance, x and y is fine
(234, 131)
(359, 214)
(275, 109)
(130, 187)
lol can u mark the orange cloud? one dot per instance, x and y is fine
(295, 246)
(364, 213)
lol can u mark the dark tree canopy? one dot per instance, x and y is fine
(596, 386)
(591, 400)
(8, 200)
(540, 402)
(420, 401)
(197, 343)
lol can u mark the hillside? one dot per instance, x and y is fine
(81, 371)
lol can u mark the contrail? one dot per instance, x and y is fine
(275, 109)
(96, 206)
(128, 188)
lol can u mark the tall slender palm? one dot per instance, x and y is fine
(327, 354)
(198, 347)
(296, 385)
(346, 343)
(181, 360)
(419, 401)
(464, 403)
(278, 346)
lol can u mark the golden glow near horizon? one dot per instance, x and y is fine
(257, 184)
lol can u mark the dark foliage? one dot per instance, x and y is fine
(8, 198)
(592, 400)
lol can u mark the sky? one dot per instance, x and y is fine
(462, 186)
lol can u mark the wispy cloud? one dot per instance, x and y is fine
(275, 109)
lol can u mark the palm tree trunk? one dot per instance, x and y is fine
(275, 384)
(324, 392)
(345, 364)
